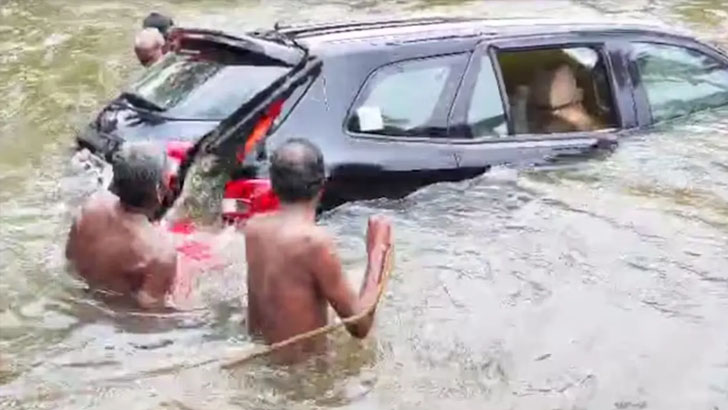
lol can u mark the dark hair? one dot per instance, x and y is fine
(158, 21)
(297, 171)
(138, 174)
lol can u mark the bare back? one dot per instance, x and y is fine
(283, 295)
(120, 251)
(294, 272)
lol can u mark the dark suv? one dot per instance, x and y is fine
(395, 105)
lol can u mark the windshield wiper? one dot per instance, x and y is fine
(141, 102)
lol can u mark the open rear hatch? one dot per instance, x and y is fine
(203, 84)
(236, 139)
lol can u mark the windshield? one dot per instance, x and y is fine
(190, 87)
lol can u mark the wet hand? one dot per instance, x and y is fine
(379, 240)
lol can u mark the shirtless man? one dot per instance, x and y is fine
(113, 244)
(293, 268)
(149, 46)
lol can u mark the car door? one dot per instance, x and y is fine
(396, 130)
(510, 107)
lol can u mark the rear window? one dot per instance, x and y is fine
(192, 87)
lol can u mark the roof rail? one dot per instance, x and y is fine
(318, 29)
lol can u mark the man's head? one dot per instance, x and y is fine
(139, 171)
(148, 46)
(158, 21)
(297, 171)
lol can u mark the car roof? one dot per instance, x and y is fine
(320, 37)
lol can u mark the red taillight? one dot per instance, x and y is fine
(260, 130)
(245, 197)
(176, 153)
(178, 149)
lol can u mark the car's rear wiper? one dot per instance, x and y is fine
(141, 102)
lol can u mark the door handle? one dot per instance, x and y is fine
(457, 158)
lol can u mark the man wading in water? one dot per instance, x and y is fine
(153, 41)
(149, 46)
(293, 268)
(113, 244)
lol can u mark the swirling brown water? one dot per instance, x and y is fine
(600, 283)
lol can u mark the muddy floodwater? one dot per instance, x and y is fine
(598, 283)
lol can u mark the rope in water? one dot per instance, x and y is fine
(387, 266)
(255, 352)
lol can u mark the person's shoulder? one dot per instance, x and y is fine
(98, 203)
(317, 249)
(100, 200)
(255, 224)
(317, 239)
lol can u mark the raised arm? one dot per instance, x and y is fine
(326, 267)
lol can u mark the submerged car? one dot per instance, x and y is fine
(396, 105)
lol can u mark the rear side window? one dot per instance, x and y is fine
(409, 98)
(191, 87)
(679, 81)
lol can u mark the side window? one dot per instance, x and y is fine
(409, 98)
(485, 115)
(557, 90)
(679, 81)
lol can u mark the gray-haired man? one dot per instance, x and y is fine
(113, 243)
(149, 46)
